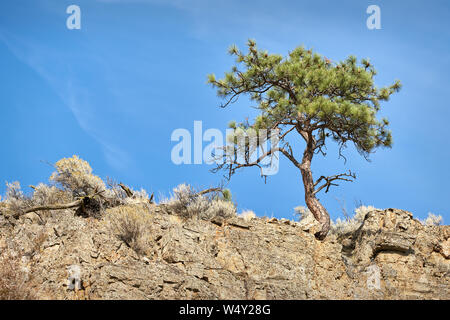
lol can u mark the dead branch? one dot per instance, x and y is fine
(329, 180)
(70, 205)
(127, 190)
(208, 191)
(75, 204)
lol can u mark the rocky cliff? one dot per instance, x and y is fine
(390, 256)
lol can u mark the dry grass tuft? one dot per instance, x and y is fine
(14, 280)
(129, 224)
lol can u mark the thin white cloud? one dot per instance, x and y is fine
(52, 66)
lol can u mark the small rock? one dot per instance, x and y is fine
(444, 249)
(74, 279)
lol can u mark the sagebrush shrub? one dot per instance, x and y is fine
(187, 203)
(432, 220)
(306, 218)
(75, 175)
(303, 212)
(116, 196)
(44, 195)
(14, 191)
(217, 208)
(139, 196)
(350, 225)
(184, 201)
(247, 215)
(128, 224)
(15, 199)
(340, 226)
(73, 180)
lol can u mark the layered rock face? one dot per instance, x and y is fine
(391, 256)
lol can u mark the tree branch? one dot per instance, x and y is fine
(329, 180)
(70, 205)
(127, 190)
(75, 204)
(208, 191)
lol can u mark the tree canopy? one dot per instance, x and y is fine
(337, 100)
(314, 96)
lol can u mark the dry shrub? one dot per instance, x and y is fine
(116, 196)
(217, 208)
(187, 203)
(128, 223)
(350, 225)
(14, 280)
(304, 213)
(15, 199)
(247, 215)
(306, 218)
(432, 220)
(46, 195)
(75, 175)
(339, 227)
(73, 179)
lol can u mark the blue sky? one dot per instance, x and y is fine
(114, 91)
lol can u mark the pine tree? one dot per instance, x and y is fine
(312, 96)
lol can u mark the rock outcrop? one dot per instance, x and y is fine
(391, 256)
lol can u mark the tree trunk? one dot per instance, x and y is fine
(313, 204)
